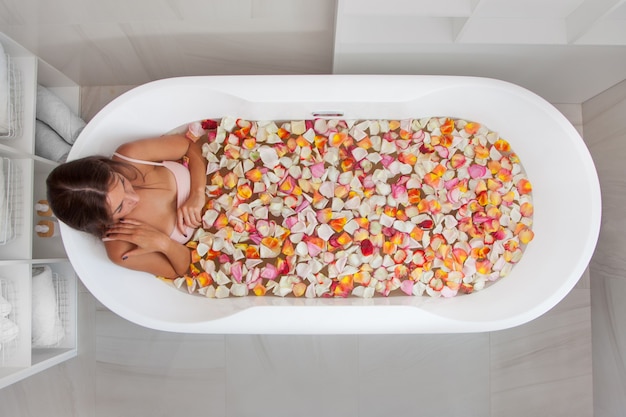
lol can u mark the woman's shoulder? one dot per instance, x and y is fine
(116, 249)
(129, 156)
(132, 154)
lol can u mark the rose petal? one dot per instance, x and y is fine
(477, 171)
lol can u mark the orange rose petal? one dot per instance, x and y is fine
(526, 235)
(249, 143)
(457, 160)
(417, 233)
(337, 224)
(389, 248)
(299, 289)
(337, 139)
(204, 279)
(483, 267)
(471, 128)
(252, 253)
(288, 248)
(502, 145)
(526, 209)
(447, 127)
(344, 239)
(282, 133)
(244, 192)
(446, 140)
(524, 186)
(254, 175)
(221, 221)
(259, 290)
(230, 180)
(407, 158)
(414, 195)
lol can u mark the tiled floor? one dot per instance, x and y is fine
(605, 134)
(542, 368)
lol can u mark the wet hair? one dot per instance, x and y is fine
(77, 192)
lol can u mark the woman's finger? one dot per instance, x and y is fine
(130, 221)
(135, 252)
(192, 219)
(121, 229)
(180, 220)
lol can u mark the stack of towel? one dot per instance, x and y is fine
(8, 329)
(6, 224)
(47, 328)
(6, 107)
(56, 126)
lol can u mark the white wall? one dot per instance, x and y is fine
(563, 50)
(121, 42)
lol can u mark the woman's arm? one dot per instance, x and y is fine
(162, 148)
(141, 247)
(173, 148)
(190, 213)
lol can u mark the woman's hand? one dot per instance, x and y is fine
(146, 238)
(190, 212)
(142, 247)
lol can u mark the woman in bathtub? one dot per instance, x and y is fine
(141, 203)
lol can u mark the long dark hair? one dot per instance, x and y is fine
(77, 192)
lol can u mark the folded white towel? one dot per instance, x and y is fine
(8, 330)
(48, 144)
(5, 118)
(6, 224)
(55, 113)
(47, 329)
(5, 307)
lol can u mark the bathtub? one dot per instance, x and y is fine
(565, 190)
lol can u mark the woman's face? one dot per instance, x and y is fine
(121, 197)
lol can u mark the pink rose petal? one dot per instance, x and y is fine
(237, 271)
(269, 272)
(454, 195)
(442, 151)
(477, 171)
(317, 170)
(387, 160)
(407, 287)
(448, 292)
(450, 184)
(313, 249)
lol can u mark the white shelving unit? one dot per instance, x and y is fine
(25, 250)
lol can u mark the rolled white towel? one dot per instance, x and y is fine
(48, 144)
(55, 113)
(5, 118)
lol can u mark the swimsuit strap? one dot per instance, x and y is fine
(137, 161)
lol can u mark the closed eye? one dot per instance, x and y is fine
(119, 208)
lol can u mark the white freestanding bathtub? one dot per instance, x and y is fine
(566, 197)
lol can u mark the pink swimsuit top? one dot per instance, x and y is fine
(183, 187)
